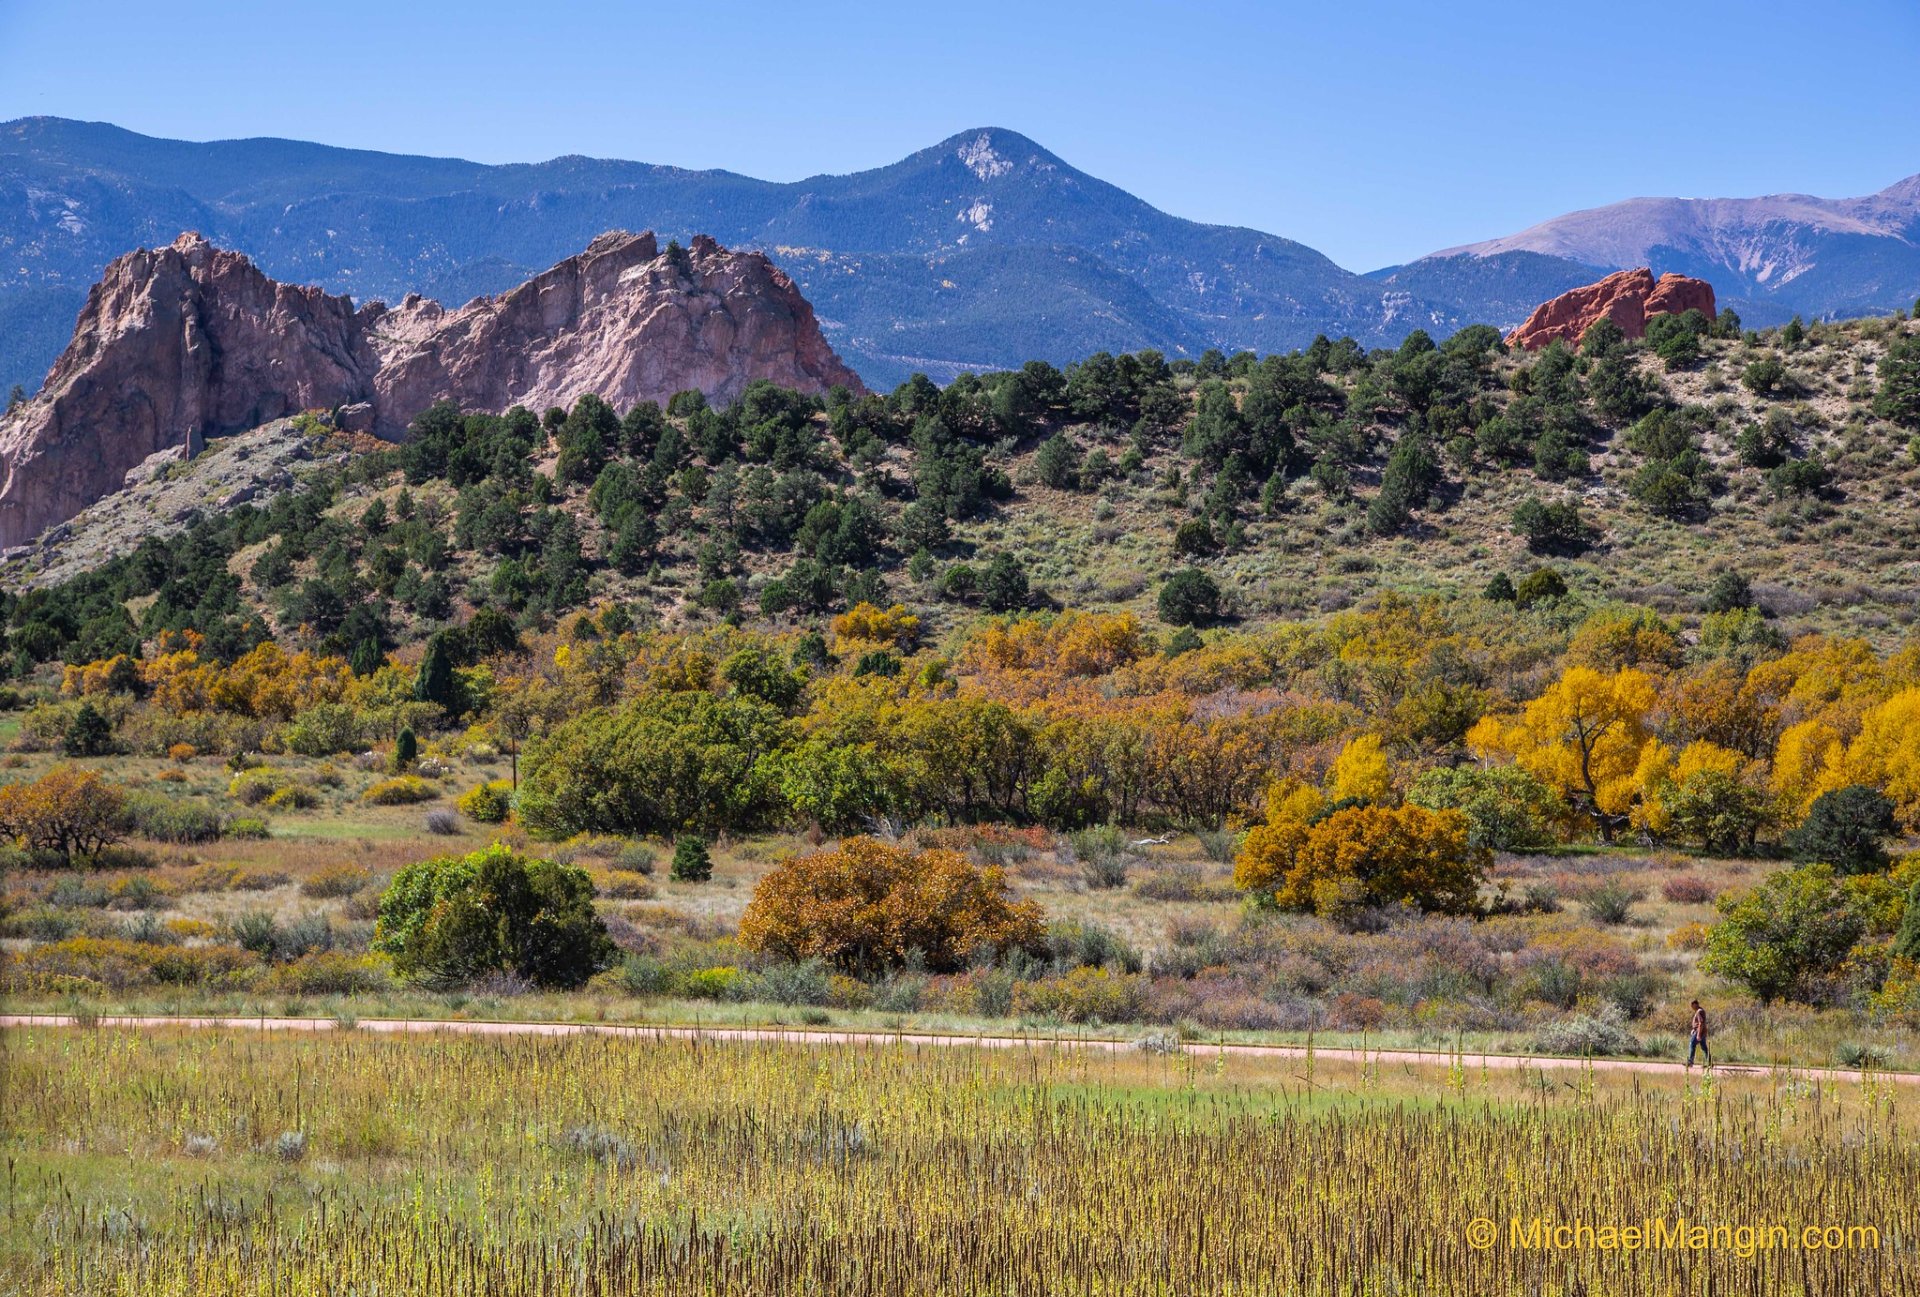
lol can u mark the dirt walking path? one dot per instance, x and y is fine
(786, 1035)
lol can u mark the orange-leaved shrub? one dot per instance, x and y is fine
(868, 904)
(1304, 858)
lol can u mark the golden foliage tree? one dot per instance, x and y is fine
(1300, 859)
(1585, 735)
(68, 811)
(868, 904)
(867, 624)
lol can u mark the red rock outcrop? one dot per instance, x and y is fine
(173, 344)
(190, 341)
(622, 320)
(1628, 297)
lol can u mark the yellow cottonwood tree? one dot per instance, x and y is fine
(1360, 772)
(1359, 856)
(1886, 753)
(1660, 772)
(1807, 761)
(1584, 735)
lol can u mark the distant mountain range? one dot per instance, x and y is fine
(1769, 258)
(983, 251)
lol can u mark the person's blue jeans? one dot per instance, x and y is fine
(1694, 1043)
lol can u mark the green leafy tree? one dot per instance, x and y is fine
(1058, 463)
(436, 682)
(1765, 376)
(1730, 590)
(1787, 937)
(1412, 472)
(1507, 808)
(1906, 940)
(1799, 477)
(1766, 444)
(1556, 528)
(1676, 338)
(406, 750)
(452, 919)
(1604, 337)
(1717, 812)
(1194, 536)
(1541, 585)
(664, 763)
(1676, 478)
(1003, 585)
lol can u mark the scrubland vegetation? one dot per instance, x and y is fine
(756, 717)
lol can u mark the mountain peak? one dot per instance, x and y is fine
(991, 152)
(1902, 191)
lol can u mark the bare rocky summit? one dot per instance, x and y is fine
(621, 320)
(1629, 297)
(189, 341)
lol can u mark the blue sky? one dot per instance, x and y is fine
(1373, 131)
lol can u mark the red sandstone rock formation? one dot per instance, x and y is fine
(190, 341)
(1628, 297)
(621, 320)
(173, 344)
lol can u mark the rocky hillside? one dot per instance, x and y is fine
(191, 341)
(1695, 470)
(621, 320)
(172, 490)
(174, 344)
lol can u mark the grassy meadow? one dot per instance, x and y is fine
(209, 1163)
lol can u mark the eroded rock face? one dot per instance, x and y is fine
(622, 320)
(173, 344)
(190, 341)
(1628, 297)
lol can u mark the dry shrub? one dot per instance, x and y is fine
(120, 964)
(1181, 882)
(328, 972)
(1688, 889)
(334, 881)
(401, 790)
(870, 905)
(258, 786)
(1688, 936)
(1356, 1012)
(624, 885)
(1082, 995)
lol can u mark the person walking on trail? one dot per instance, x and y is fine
(1697, 1036)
